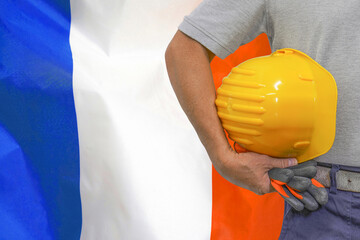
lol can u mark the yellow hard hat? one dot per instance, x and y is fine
(281, 105)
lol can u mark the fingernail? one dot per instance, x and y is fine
(292, 161)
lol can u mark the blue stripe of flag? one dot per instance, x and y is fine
(39, 153)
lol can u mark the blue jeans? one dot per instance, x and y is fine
(338, 219)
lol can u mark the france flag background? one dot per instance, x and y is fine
(108, 56)
(93, 142)
(39, 150)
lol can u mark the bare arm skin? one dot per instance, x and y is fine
(188, 65)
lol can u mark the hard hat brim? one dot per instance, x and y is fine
(325, 119)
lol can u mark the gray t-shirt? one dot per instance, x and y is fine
(326, 30)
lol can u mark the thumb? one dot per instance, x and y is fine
(282, 162)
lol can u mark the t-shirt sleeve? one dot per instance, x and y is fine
(224, 25)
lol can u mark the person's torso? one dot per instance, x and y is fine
(329, 32)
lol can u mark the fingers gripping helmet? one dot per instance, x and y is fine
(281, 105)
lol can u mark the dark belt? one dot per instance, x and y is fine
(345, 180)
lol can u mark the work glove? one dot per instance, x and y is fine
(298, 187)
(296, 184)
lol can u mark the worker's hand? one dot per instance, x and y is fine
(298, 187)
(249, 170)
(296, 184)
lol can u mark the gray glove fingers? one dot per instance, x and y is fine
(281, 174)
(307, 171)
(319, 193)
(312, 163)
(299, 183)
(308, 201)
(293, 201)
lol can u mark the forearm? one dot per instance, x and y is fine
(188, 65)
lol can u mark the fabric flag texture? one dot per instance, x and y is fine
(93, 142)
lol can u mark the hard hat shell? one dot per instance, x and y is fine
(281, 105)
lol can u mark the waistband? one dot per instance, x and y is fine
(341, 167)
(339, 177)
